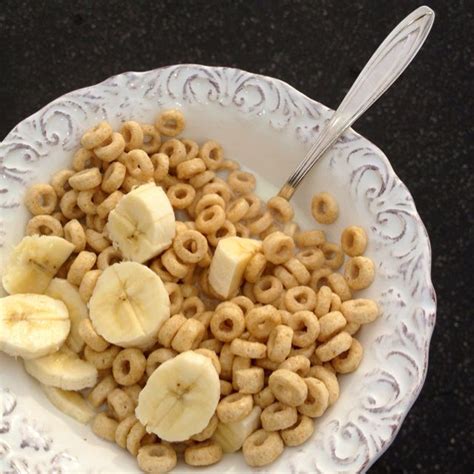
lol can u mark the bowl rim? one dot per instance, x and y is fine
(427, 251)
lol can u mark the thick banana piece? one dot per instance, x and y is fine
(231, 436)
(129, 304)
(229, 262)
(180, 397)
(142, 225)
(34, 262)
(61, 289)
(63, 369)
(32, 325)
(70, 403)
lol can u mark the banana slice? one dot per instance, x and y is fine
(61, 289)
(231, 436)
(142, 225)
(180, 397)
(129, 304)
(70, 403)
(34, 262)
(229, 262)
(63, 369)
(32, 325)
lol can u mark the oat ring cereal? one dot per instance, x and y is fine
(328, 377)
(190, 168)
(244, 303)
(228, 323)
(219, 187)
(151, 139)
(44, 225)
(237, 210)
(251, 380)
(324, 208)
(104, 426)
(123, 429)
(175, 150)
(212, 154)
(80, 266)
(305, 327)
(41, 199)
(129, 366)
(241, 182)
(203, 454)
(311, 258)
(288, 387)
(317, 400)
(161, 165)
(74, 233)
(207, 201)
(132, 134)
(298, 364)
(234, 407)
(88, 283)
(248, 349)
(299, 433)
(111, 148)
(261, 224)
(281, 208)
(139, 164)
(120, 403)
(300, 298)
(262, 448)
(278, 247)
(107, 257)
(201, 179)
(157, 457)
(210, 219)
(319, 278)
(170, 122)
(348, 362)
(169, 329)
(360, 311)
(90, 336)
(260, 321)
(172, 264)
(278, 417)
(157, 357)
(96, 135)
(60, 182)
(113, 177)
(267, 289)
(103, 359)
(359, 272)
(189, 336)
(335, 346)
(279, 343)
(330, 324)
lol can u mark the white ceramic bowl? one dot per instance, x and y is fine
(267, 126)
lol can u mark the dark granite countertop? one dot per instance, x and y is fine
(49, 47)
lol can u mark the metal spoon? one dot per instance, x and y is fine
(386, 64)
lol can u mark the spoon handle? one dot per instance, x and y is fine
(386, 64)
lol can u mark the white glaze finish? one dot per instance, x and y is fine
(267, 125)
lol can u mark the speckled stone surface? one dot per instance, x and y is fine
(424, 125)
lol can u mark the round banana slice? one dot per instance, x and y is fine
(129, 304)
(61, 289)
(34, 262)
(180, 397)
(32, 325)
(63, 369)
(142, 224)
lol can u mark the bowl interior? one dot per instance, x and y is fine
(267, 127)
